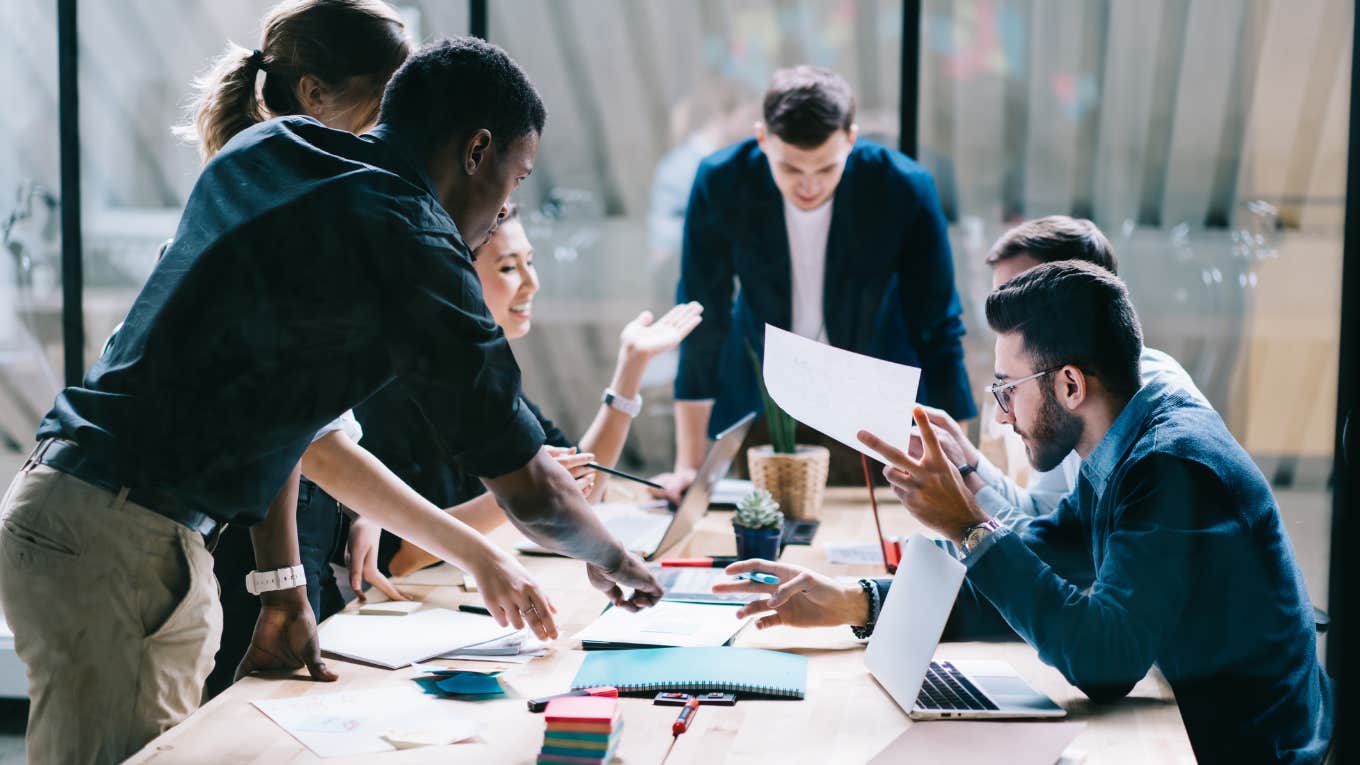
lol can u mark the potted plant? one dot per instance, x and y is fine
(758, 525)
(794, 474)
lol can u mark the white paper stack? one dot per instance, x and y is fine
(518, 648)
(395, 643)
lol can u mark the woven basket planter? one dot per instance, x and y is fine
(796, 481)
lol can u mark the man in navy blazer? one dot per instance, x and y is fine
(829, 237)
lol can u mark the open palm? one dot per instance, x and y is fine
(648, 337)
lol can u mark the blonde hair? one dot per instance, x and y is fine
(332, 40)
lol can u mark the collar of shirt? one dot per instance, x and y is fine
(407, 164)
(1122, 435)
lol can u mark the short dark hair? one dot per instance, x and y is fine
(806, 104)
(1054, 238)
(457, 85)
(1073, 312)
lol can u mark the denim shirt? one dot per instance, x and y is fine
(1170, 551)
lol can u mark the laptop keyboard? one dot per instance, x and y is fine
(946, 688)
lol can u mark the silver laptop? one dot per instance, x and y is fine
(908, 629)
(649, 532)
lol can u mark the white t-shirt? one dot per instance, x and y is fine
(808, 230)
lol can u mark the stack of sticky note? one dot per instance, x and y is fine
(581, 731)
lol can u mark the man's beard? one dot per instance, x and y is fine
(1056, 433)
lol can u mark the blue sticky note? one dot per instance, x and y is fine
(470, 684)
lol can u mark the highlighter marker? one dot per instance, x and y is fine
(759, 576)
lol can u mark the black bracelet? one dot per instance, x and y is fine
(871, 593)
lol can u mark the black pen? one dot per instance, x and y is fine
(622, 474)
(471, 609)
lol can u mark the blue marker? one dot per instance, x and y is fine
(760, 577)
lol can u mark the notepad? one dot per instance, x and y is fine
(395, 643)
(667, 623)
(752, 671)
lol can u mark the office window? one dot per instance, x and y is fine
(637, 93)
(30, 226)
(1208, 140)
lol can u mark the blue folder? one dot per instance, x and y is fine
(747, 671)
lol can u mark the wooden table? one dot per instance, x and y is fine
(846, 717)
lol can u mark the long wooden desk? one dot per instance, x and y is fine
(846, 717)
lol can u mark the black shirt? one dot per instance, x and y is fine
(311, 267)
(397, 434)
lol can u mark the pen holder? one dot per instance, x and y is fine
(796, 481)
(757, 543)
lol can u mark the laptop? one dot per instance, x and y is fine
(908, 629)
(651, 531)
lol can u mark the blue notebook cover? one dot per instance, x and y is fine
(750, 671)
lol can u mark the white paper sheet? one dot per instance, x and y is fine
(668, 623)
(839, 392)
(396, 642)
(354, 722)
(520, 647)
(870, 554)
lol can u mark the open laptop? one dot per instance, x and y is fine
(649, 532)
(908, 629)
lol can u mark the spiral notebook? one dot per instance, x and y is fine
(749, 671)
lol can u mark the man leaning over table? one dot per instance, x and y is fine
(311, 267)
(1170, 551)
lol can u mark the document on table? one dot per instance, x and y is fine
(870, 553)
(520, 647)
(367, 722)
(839, 392)
(668, 623)
(976, 742)
(394, 642)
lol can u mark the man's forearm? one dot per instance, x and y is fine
(275, 538)
(691, 432)
(544, 502)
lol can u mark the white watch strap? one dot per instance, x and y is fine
(278, 579)
(629, 406)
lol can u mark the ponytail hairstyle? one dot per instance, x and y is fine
(353, 46)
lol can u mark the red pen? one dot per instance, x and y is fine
(717, 562)
(686, 717)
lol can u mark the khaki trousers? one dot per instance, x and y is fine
(114, 611)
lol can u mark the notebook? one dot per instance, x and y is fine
(396, 642)
(751, 671)
(667, 624)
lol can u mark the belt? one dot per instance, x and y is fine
(69, 458)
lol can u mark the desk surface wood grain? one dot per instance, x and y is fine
(846, 717)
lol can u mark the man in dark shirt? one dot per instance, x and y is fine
(1170, 551)
(311, 267)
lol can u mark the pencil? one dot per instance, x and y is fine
(622, 474)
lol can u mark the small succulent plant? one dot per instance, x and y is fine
(758, 510)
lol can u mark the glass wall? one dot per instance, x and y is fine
(1208, 140)
(136, 173)
(637, 93)
(30, 226)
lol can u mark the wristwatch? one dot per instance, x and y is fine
(629, 406)
(278, 579)
(973, 535)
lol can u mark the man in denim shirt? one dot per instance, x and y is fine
(1170, 551)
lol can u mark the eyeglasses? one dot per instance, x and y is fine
(1002, 390)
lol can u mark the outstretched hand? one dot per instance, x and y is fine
(929, 487)
(631, 573)
(803, 598)
(645, 337)
(285, 638)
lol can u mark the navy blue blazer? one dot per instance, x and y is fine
(889, 289)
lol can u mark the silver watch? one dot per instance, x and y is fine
(973, 536)
(629, 406)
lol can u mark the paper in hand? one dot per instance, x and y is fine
(839, 392)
